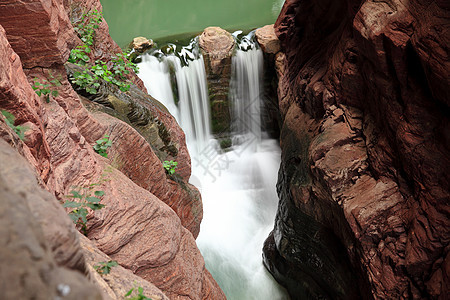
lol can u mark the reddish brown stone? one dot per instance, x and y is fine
(39, 31)
(136, 228)
(267, 39)
(376, 77)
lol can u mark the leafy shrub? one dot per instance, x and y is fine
(88, 24)
(104, 267)
(9, 119)
(170, 166)
(102, 145)
(116, 74)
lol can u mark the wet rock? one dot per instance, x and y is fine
(372, 78)
(217, 47)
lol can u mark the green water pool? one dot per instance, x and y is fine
(157, 18)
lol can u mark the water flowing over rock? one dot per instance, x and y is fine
(364, 188)
(136, 227)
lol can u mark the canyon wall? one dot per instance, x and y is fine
(364, 185)
(150, 219)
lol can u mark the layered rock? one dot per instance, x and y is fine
(136, 228)
(363, 92)
(119, 281)
(217, 47)
(38, 241)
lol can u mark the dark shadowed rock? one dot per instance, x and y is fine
(374, 77)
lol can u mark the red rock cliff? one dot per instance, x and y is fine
(150, 220)
(364, 184)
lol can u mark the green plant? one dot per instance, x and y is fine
(84, 201)
(46, 88)
(102, 145)
(139, 296)
(170, 166)
(9, 119)
(86, 27)
(79, 55)
(104, 267)
(88, 79)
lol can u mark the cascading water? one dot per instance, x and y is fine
(237, 186)
(192, 111)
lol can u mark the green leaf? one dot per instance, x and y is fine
(75, 194)
(129, 292)
(99, 193)
(93, 199)
(74, 217)
(72, 204)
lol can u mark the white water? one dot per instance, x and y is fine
(192, 112)
(238, 187)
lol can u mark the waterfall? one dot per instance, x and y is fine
(192, 112)
(237, 186)
(246, 90)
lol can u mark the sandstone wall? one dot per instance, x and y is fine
(364, 187)
(137, 227)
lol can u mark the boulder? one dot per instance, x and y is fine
(267, 39)
(141, 44)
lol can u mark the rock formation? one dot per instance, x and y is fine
(137, 227)
(364, 189)
(217, 47)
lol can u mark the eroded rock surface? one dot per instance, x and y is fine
(369, 81)
(217, 47)
(119, 280)
(38, 240)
